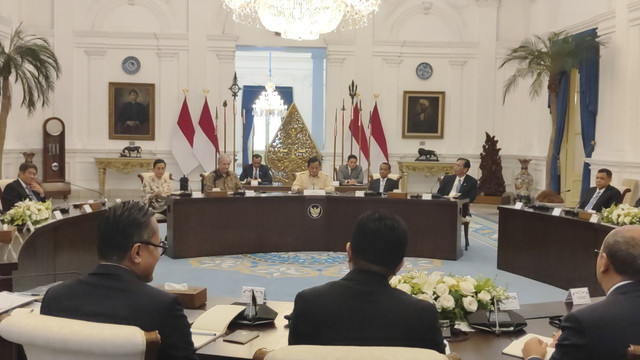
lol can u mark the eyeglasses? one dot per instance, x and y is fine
(598, 251)
(162, 245)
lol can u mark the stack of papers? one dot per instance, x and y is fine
(10, 301)
(213, 323)
(515, 348)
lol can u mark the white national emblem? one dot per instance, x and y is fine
(314, 211)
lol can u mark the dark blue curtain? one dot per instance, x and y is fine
(250, 93)
(562, 101)
(589, 84)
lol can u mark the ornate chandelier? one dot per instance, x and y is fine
(269, 104)
(302, 19)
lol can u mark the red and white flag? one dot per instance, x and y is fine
(182, 140)
(205, 142)
(378, 153)
(356, 127)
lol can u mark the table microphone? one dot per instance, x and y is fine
(4, 277)
(92, 190)
(434, 184)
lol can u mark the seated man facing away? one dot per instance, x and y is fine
(460, 184)
(256, 171)
(313, 178)
(23, 188)
(384, 183)
(157, 187)
(362, 309)
(221, 177)
(601, 196)
(351, 173)
(604, 330)
(116, 291)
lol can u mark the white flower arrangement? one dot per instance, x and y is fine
(622, 214)
(28, 211)
(454, 296)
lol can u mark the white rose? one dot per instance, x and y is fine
(442, 289)
(446, 302)
(467, 287)
(435, 276)
(449, 281)
(395, 281)
(404, 287)
(484, 296)
(627, 220)
(470, 304)
(425, 297)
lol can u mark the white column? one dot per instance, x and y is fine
(454, 115)
(168, 88)
(334, 90)
(96, 98)
(391, 98)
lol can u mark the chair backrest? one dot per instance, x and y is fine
(631, 197)
(391, 175)
(144, 175)
(53, 338)
(624, 190)
(633, 352)
(3, 183)
(312, 352)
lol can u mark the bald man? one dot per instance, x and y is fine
(605, 329)
(221, 177)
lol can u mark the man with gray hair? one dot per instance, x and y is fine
(221, 177)
(605, 329)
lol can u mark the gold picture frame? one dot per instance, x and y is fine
(132, 111)
(423, 114)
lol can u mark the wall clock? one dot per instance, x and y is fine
(424, 70)
(131, 65)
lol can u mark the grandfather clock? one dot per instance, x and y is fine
(53, 158)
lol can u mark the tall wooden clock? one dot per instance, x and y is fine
(53, 150)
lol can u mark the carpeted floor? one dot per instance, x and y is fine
(284, 274)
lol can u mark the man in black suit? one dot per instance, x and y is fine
(460, 184)
(23, 188)
(384, 183)
(362, 309)
(601, 196)
(350, 173)
(256, 171)
(604, 330)
(116, 291)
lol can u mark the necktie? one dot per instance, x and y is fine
(255, 173)
(458, 185)
(593, 200)
(30, 193)
(382, 181)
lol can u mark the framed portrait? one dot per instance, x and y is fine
(423, 114)
(132, 111)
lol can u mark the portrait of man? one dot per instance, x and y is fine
(131, 112)
(423, 114)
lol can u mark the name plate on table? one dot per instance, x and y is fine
(426, 196)
(215, 193)
(254, 183)
(397, 195)
(359, 193)
(578, 296)
(307, 192)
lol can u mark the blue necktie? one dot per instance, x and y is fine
(458, 185)
(593, 200)
(32, 196)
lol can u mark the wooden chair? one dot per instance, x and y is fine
(465, 222)
(159, 217)
(336, 352)
(53, 338)
(3, 183)
(633, 352)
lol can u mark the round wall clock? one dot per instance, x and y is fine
(424, 70)
(130, 65)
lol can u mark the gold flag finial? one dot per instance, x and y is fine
(185, 91)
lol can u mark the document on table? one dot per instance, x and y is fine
(9, 300)
(213, 323)
(515, 348)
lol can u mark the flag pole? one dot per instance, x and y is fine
(244, 130)
(369, 144)
(353, 91)
(224, 105)
(360, 131)
(343, 109)
(335, 138)
(217, 140)
(235, 89)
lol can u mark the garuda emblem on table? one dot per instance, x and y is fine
(315, 211)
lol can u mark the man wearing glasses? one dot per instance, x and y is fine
(116, 291)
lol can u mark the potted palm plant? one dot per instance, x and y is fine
(543, 59)
(34, 66)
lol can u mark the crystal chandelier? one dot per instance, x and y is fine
(269, 104)
(302, 19)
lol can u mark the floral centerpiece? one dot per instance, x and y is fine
(622, 214)
(454, 296)
(28, 211)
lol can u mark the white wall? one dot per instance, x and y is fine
(191, 44)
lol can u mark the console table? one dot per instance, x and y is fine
(427, 168)
(123, 165)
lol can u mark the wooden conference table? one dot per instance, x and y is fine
(478, 345)
(281, 222)
(556, 250)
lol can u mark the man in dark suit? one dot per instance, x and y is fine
(604, 330)
(362, 309)
(256, 171)
(23, 188)
(351, 173)
(116, 291)
(601, 196)
(460, 184)
(384, 183)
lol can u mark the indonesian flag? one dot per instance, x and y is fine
(205, 142)
(182, 140)
(377, 133)
(358, 133)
